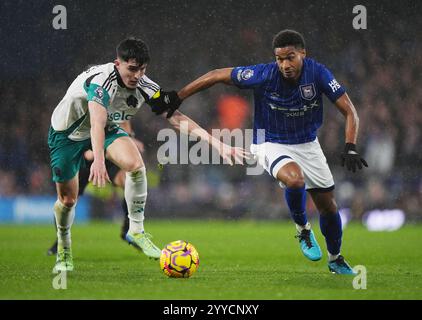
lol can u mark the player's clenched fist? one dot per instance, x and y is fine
(164, 101)
(351, 158)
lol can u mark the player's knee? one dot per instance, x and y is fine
(295, 182)
(133, 165)
(68, 201)
(291, 175)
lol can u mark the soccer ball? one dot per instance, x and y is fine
(179, 259)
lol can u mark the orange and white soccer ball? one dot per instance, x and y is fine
(179, 259)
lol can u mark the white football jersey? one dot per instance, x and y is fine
(102, 84)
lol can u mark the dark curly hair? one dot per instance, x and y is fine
(287, 38)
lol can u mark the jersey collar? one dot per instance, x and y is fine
(119, 79)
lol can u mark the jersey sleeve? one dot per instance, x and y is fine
(98, 87)
(329, 85)
(148, 88)
(250, 77)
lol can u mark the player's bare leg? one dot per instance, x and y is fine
(124, 153)
(330, 223)
(292, 177)
(64, 211)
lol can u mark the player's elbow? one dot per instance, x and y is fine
(354, 116)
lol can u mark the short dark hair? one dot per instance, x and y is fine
(132, 48)
(287, 38)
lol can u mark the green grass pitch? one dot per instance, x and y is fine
(238, 260)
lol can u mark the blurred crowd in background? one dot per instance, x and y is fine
(380, 67)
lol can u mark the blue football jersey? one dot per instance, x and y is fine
(289, 114)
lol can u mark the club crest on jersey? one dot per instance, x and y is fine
(132, 101)
(99, 92)
(246, 74)
(307, 91)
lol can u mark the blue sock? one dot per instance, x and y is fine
(330, 225)
(296, 201)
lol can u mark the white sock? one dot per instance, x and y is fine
(307, 226)
(64, 220)
(332, 257)
(136, 196)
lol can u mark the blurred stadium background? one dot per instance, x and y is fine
(381, 68)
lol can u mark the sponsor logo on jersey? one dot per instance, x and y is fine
(294, 112)
(334, 85)
(307, 91)
(119, 116)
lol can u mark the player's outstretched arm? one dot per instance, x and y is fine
(98, 118)
(207, 80)
(169, 101)
(350, 157)
(187, 126)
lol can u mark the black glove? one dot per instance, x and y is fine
(351, 158)
(166, 102)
